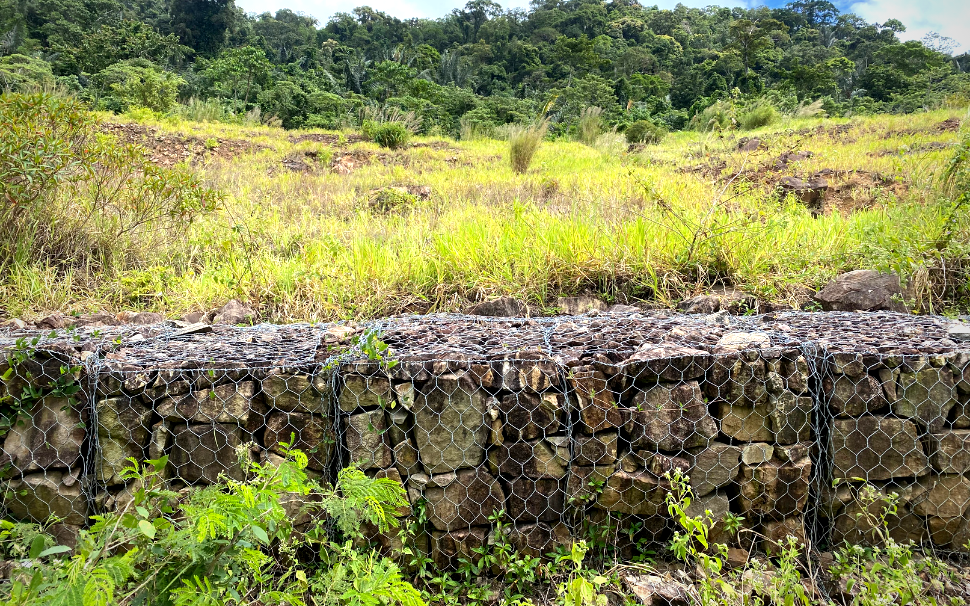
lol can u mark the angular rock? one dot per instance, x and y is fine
(531, 500)
(574, 306)
(449, 424)
(790, 417)
(774, 490)
(597, 406)
(755, 454)
(365, 440)
(449, 548)
(926, 397)
(537, 459)
(745, 423)
(527, 416)
(234, 313)
(941, 496)
(37, 497)
(713, 467)
(653, 590)
(122, 433)
(661, 464)
(737, 380)
(854, 523)
(742, 341)
(406, 459)
(599, 449)
(811, 192)
(49, 438)
(638, 493)
(462, 499)
(585, 483)
(670, 418)
(537, 540)
(226, 403)
(293, 392)
(949, 451)
(652, 362)
(365, 393)
(312, 434)
(200, 453)
(863, 290)
(504, 307)
(876, 448)
(854, 396)
(778, 533)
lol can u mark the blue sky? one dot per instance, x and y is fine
(947, 17)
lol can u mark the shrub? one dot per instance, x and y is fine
(76, 197)
(758, 115)
(139, 83)
(643, 131)
(719, 116)
(387, 134)
(590, 125)
(225, 544)
(22, 73)
(524, 141)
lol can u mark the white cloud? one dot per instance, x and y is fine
(947, 17)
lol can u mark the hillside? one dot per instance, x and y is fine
(319, 225)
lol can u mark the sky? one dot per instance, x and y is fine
(947, 17)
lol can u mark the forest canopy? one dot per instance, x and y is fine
(476, 67)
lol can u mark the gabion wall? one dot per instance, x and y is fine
(567, 425)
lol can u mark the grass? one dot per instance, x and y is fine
(306, 246)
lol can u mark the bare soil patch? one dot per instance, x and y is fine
(166, 149)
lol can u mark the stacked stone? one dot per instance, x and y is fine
(201, 418)
(42, 451)
(900, 424)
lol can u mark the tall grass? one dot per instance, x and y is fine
(305, 245)
(524, 142)
(758, 115)
(590, 125)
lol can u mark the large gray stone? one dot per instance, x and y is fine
(37, 497)
(122, 433)
(862, 290)
(365, 440)
(941, 496)
(670, 417)
(293, 392)
(790, 418)
(360, 392)
(855, 522)
(637, 493)
(736, 380)
(713, 467)
(200, 453)
(926, 397)
(745, 423)
(449, 424)
(226, 403)
(851, 396)
(528, 415)
(49, 438)
(949, 451)
(599, 449)
(462, 499)
(774, 490)
(877, 448)
(312, 434)
(531, 499)
(597, 405)
(536, 459)
(537, 540)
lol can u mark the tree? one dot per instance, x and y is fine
(238, 72)
(752, 38)
(202, 24)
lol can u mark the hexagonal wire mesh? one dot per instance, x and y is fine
(553, 429)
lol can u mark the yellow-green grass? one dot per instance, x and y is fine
(307, 246)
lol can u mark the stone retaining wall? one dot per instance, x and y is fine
(568, 425)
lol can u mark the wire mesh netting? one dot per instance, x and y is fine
(552, 429)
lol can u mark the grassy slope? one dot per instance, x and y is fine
(304, 245)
